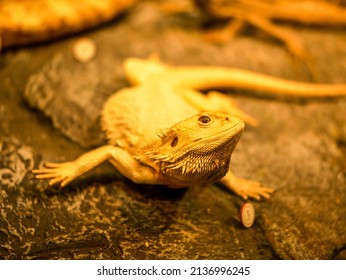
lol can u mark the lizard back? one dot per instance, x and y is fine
(134, 117)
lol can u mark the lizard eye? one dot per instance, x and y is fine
(204, 120)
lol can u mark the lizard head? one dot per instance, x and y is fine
(197, 149)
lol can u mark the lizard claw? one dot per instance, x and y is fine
(247, 188)
(250, 189)
(58, 173)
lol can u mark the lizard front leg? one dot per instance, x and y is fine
(66, 172)
(245, 188)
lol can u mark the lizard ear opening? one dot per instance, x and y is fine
(174, 142)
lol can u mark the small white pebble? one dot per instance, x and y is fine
(247, 214)
(84, 49)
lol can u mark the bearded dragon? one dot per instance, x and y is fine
(162, 130)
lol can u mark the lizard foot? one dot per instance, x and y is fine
(58, 173)
(247, 188)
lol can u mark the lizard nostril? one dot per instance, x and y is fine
(227, 119)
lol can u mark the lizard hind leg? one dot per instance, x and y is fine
(294, 46)
(226, 34)
(229, 105)
(217, 102)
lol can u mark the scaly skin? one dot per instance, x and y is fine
(31, 21)
(163, 131)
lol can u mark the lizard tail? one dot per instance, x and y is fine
(220, 77)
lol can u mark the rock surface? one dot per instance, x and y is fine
(49, 110)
